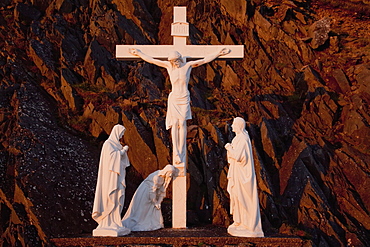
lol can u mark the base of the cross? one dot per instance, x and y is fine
(179, 197)
(111, 232)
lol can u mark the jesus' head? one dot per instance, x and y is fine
(175, 58)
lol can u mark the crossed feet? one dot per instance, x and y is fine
(177, 159)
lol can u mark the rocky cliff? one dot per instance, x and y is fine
(303, 87)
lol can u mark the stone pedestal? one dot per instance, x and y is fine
(110, 232)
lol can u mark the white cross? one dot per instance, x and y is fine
(180, 32)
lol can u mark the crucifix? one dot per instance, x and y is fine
(174, 59)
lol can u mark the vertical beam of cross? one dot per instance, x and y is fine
(180, 32)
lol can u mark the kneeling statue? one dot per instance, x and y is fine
(144, 212)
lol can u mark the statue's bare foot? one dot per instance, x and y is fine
(177, 159)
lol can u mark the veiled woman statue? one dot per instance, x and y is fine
(111, 185)
(144, 212)
(242, 185)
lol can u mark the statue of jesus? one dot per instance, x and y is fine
(178, 106)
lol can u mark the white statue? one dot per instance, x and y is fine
(242, 185)
(178, 107)
(144, 212)
(110, 187)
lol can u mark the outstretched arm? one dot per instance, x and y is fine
(149, 59)
(209, 58)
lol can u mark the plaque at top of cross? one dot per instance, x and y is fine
(173, 58)
(179, 27)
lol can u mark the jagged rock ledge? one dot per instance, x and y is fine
(200, 236)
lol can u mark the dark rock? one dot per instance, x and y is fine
(342, 80)
(140, 141)
(43, 57)
(75, 102)
(96, 57)
(26, 12)
(36, 29)
(5, 3)
(130, 32)
(334, 44)
(144, 80)
(136, 17)
(71, 77)
(312, 78)
(66, 6)
(73, 47)
(237, 9)
(363, 77)
(39, 134)
(283, 12)
(319, 32)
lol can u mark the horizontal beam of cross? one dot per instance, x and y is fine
(189, 52)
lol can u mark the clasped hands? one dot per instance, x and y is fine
(124, 149)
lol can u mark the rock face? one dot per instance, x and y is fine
(306, 102)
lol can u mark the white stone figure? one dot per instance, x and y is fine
(144, 212)
(178, 106)
(242, 185)
(111, 185)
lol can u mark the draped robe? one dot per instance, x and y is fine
(242, 187)
(142, 214)
(178, 107)
(111, 184)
